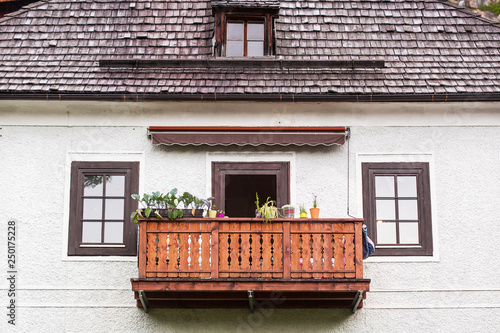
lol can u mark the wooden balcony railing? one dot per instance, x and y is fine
(242, 255)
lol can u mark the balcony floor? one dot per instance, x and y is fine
(234, 293)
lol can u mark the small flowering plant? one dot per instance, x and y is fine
(315, 200)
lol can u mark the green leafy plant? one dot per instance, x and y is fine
(493, 7)
(315, 201)
(155, 201)
(302, 209)
(268, 211)
(257, 200)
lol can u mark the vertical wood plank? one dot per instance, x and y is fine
(358, 253)
(162, 249)
(183, 249)
(306, 250)
(142, 249)
(234, 246)
(296, 251)
(245, 246)
(349, 249)
(286, 260)
(328, 248)
(172, 248)
(266, 252)
(338, 251)
(206, 247)
(255, 249)
(317, 250)
(278, 250)
(152, 248)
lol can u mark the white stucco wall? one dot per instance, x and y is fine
(457, 289)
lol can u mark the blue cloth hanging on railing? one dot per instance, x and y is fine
(368, 245)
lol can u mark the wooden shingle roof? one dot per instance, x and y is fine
(428, 47)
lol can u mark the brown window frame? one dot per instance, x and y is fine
(223, 17)
(421, 171)
(78, 171)
(280, 169)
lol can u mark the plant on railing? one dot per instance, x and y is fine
(303, 211)
(268, 211)
(154, 202)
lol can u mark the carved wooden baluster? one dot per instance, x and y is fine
(235, 264)
(307, 248)
(223, 249)
(277, 255)
(295, 250)
(266, 251)
(162, 250)
(206, 249)
(338, 251)
(152, 248)
(172, 245)
(328, 255)
(245, 255)
(349, 250)
(317, 250)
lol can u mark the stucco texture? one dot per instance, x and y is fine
(455, 290)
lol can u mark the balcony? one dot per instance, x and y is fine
(242, 262)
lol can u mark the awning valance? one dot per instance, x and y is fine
(248, 136)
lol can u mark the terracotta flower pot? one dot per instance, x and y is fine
(314, 212)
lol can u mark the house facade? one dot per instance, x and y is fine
(387, 111)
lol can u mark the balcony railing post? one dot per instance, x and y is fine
(358, 250)
(215, 250)
(142, 249)
(286, 250)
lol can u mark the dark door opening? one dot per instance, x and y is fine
(234, 185)
(240, 193)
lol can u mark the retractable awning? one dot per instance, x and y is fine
(248, 136)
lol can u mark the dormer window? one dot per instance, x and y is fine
(243, 29)
(245, 38)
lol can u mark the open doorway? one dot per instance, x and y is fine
(234, 185)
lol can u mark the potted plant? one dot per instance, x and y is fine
(212, 212)
(315, 210)
(288, 211)
(220, 213)
(303, 212)
(187, 200)
(160, 204)
(198, 204)
(153, 202)
(268, 211)
(172, 203)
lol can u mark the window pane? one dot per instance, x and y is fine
(113, 232)
(408, 233)
(407, 186)
(408, 210)
(234, 49)
(91, 232)
(255, 31)
(384, 186)
(114, 209)
(386, 210)
(115, 186)
(92, 186)
(92, 209)
(235, 31)
(386, 233)
(255, 49)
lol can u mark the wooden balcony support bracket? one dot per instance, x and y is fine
(144, 300)
(357, 300)
(251, 300)
(241, 262)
